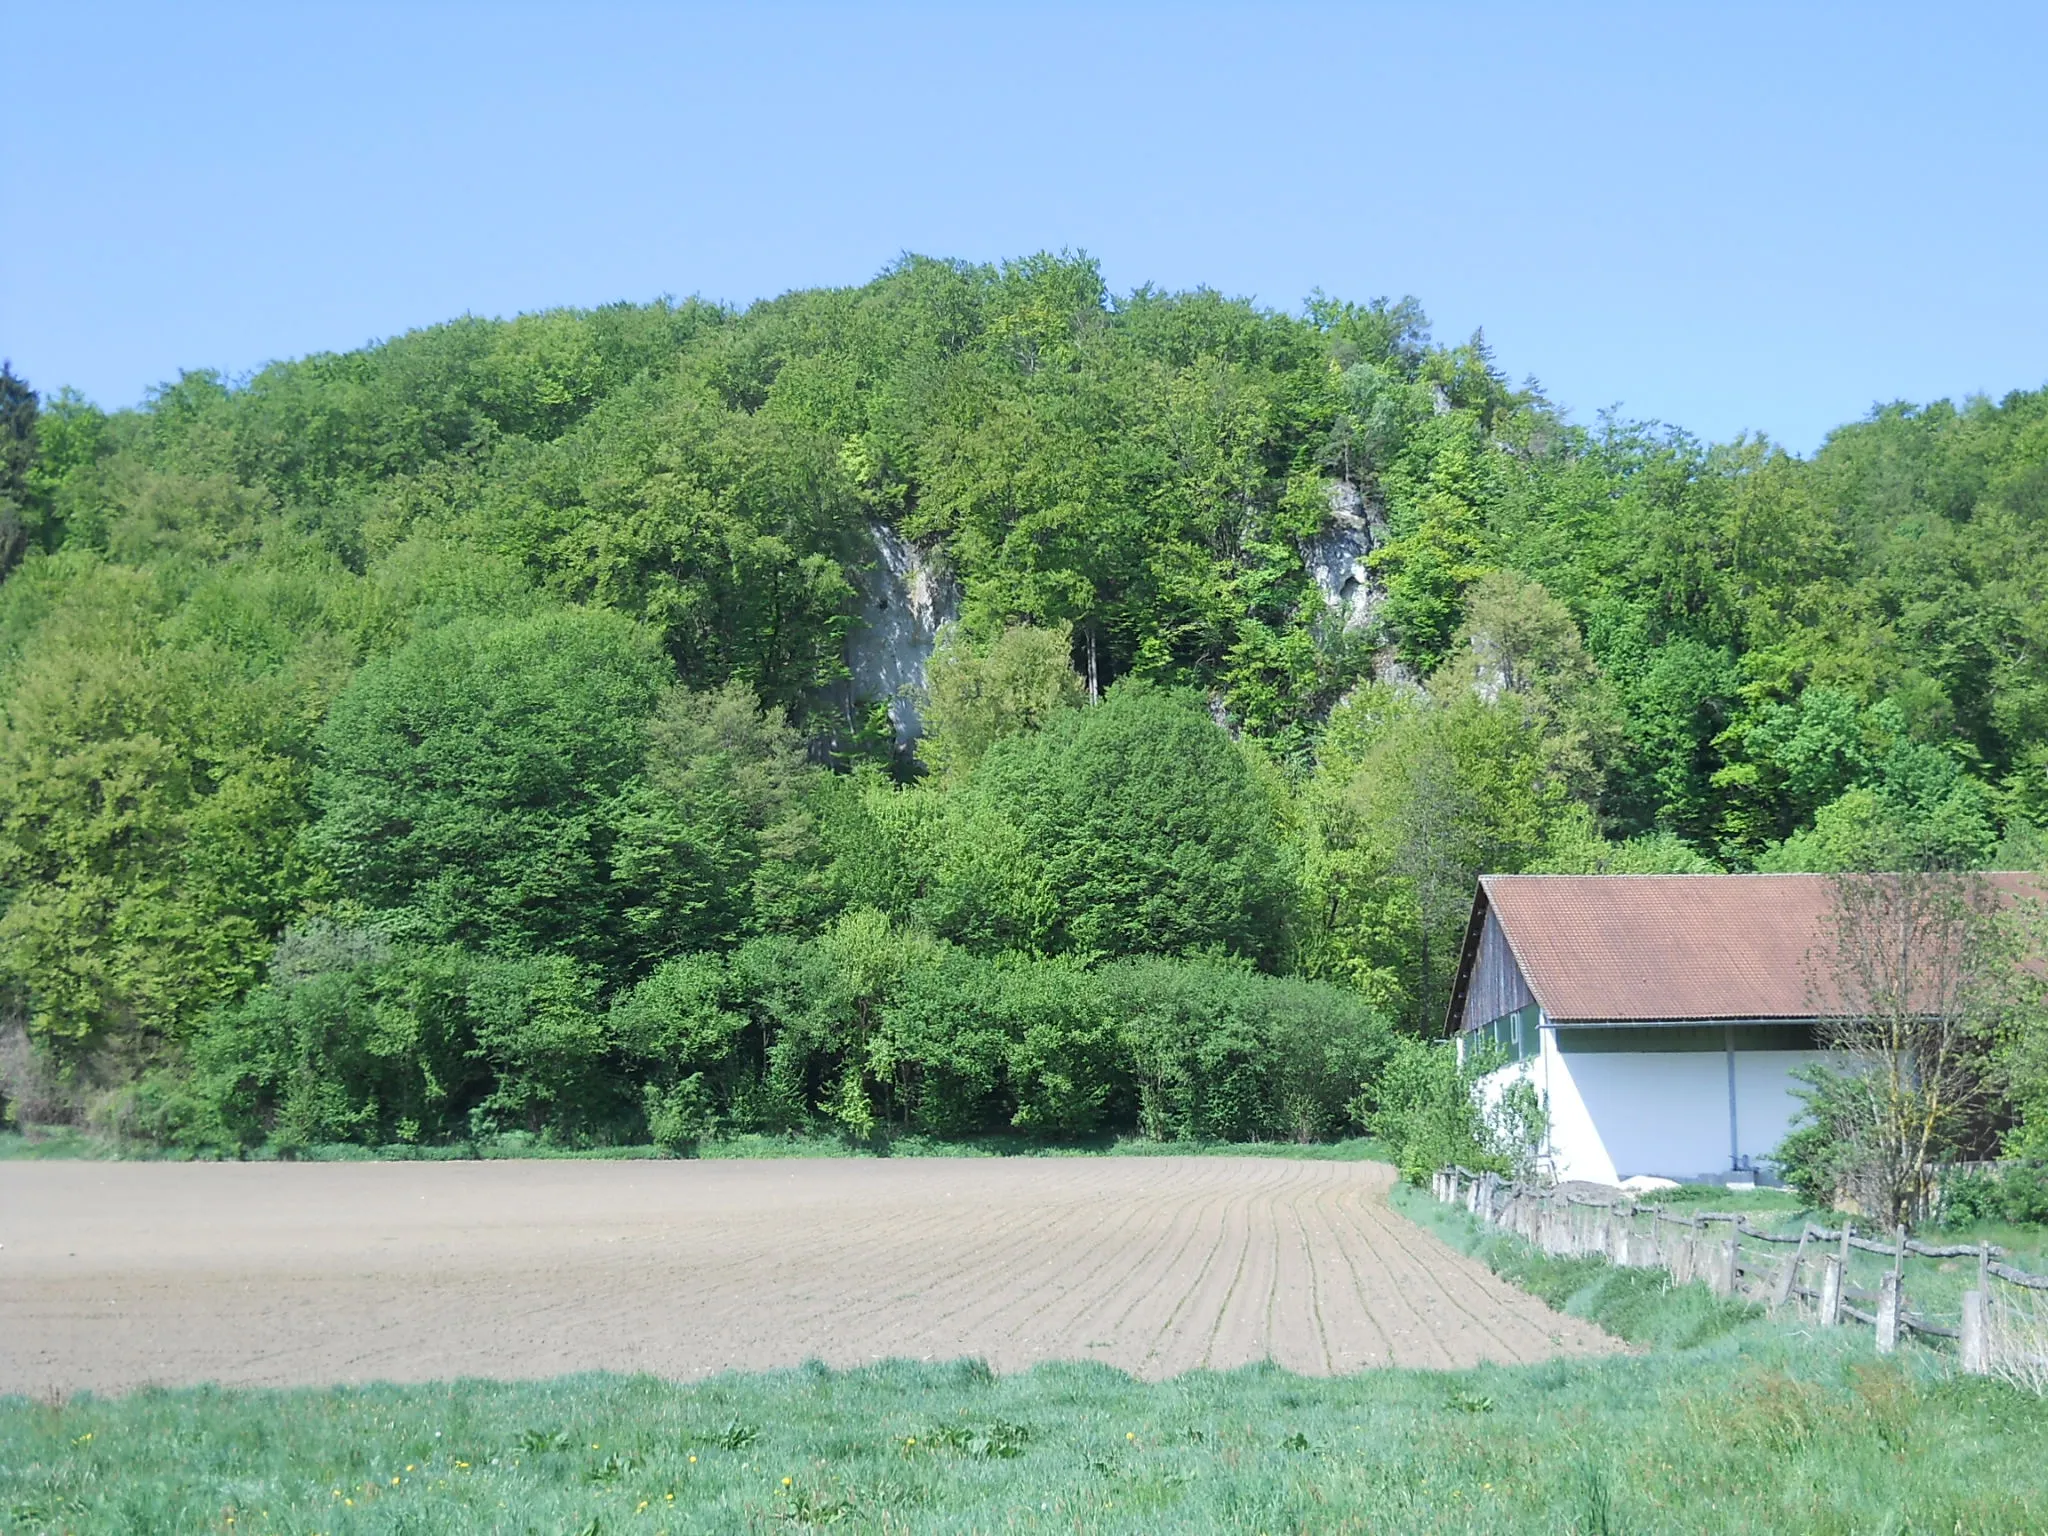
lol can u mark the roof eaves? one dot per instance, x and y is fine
(1468, 953)
(1640, 1021)
(1522, 965)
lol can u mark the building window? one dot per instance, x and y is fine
(1518, 1033)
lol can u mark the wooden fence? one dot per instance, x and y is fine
(1996, 1326)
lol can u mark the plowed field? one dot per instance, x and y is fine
(113, 1275)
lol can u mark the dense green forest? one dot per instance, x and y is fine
(456, 736)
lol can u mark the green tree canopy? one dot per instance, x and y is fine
(472, 783)
(1153, 833)
(974, 699)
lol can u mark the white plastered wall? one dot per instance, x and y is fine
(1616, 1114)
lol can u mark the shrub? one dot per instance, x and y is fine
(870, 1026)
(1067, 1072)
(1428, 1107)
(676, 1027)
(1222, 1053)
(679, 1116)
(945, 1045)
(353, 1038)
(2017, 1193)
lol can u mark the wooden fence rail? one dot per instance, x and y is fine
(1999, 1329)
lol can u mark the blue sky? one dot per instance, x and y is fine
(1730, 218)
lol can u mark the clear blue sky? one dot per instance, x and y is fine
(1727, 218)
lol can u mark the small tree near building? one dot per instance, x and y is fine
(1916, 975)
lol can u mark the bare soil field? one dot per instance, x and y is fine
(117, 1275)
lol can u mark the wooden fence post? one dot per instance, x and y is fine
(1724, 1270)
(1830, 1291)
(1975, 1345)
(1637, 1252)
(1888, 1313)
(1790, 1277)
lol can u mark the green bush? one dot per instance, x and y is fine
(356, 1039)
(1813, 1163)
(1222, 1053)
(679, 1116)
(1427, 1106)
(1067, 1071)
(2017, 1193)
(872, 1026)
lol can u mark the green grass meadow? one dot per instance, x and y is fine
(1722, 1422)
(1747, 1434)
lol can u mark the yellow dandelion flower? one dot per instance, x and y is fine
(787, 1481)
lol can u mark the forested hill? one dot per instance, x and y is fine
(493, 679)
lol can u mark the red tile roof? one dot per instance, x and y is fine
(1611, 948)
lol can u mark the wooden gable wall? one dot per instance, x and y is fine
(1497, 986)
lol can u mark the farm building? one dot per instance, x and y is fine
(1659, 1017)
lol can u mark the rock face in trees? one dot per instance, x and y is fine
(1339, 559)
(904, 599)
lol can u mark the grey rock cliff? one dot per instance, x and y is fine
(1337, 556)
(905, 595)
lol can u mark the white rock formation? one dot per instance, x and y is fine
(1336, 557)
(904, 597)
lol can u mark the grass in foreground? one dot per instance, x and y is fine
(1747, 1435)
